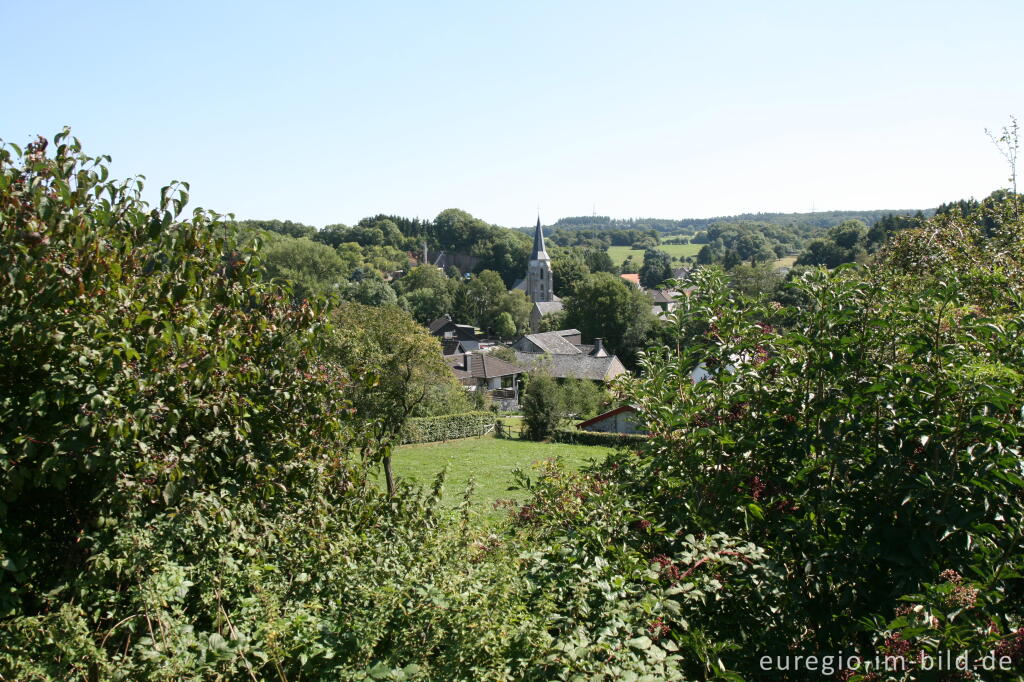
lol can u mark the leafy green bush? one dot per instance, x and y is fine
(543, 406)
(868, 447)
(581, 437)
(143, 360)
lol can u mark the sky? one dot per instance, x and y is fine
(328, 112)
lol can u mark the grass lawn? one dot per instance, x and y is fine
(490, 461)
(619, 253)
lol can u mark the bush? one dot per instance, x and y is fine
(868, 447)
(144, 360)
(543, 406)
(580, 437)
(448, 427)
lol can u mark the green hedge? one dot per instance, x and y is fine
(448, 427)
(597, 437)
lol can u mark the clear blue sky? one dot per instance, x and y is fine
(326, 112)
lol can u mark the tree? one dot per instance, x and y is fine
(504, 326)
(484, 294)
(285, 227)
(506, 252)
(518, 306)
(543, 406)
(422, 277)
(551, 322)
(372, 292)
(656, 269)
(425, 305)
(400, 361)
(755, 280)
(583, 398)
(605, 306)
(598, 260)
(333, 235)
(314, 269)
(567, 270)
(171, 368)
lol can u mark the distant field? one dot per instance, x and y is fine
(490, 461)
(619, 253)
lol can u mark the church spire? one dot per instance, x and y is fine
(539, 252)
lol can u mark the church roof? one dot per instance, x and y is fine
(539, 252)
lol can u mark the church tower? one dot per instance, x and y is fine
(538, 274)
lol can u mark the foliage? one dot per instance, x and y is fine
(635, 597)
(583, 398)
(845, 243)
(869, 446)
(567, 270)
(505, 327)
(399, 363)
(314, 270)
(580, 437)
(283, 227)
(169, 372)
(551, 322)
(543, 406)
(447, 427)
(656, 269)
(605, 306)
(372, 292)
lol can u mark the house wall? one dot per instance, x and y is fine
(616, 423)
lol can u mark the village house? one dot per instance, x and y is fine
(562, 355)
(484, 372)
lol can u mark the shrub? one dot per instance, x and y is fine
(580, 437)
(144, 359)
(868, 447)
(543, 406)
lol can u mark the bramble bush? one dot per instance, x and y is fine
(868, 446)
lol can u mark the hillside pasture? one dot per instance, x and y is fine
(619, 253)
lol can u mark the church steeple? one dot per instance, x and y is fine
(539, 252)
(538, 274)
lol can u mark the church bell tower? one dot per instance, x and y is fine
(538, 274)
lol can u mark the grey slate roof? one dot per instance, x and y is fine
(577, 366)
(438, 323)
(663, 295)
(554, 342)
(482, 366)
(539, 252)
(545, 307)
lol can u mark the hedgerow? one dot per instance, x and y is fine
(581, 437)
(447, 427)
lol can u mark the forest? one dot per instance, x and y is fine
(195, 410)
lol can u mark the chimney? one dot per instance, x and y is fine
(469, 364)
(598, 348)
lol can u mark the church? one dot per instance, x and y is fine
(538, 284)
